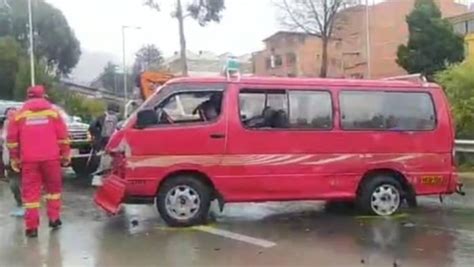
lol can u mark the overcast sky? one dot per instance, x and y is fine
(97, 24)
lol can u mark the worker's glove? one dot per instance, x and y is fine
(65, 161)
(15, 165)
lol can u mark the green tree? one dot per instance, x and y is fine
(9, 63)
(203, 11)
(432, 43)
(5, 18)
(86, 108)
(458, 82)
(42, 76)
(148, 58)
(55, 41)
(109, 78)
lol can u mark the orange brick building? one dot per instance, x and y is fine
(293, 54)
(298, 54)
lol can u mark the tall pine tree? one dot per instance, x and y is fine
(432, 43)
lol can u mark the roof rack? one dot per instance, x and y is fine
(417, 77)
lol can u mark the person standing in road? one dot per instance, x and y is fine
(38, 142)
(12, 176)
(103, 127)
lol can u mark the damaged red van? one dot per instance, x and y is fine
(377, 143)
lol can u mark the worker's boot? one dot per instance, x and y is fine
(55, 224)
(31, 233)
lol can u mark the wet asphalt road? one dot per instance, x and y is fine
(270, 234)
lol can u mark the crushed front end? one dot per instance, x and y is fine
(111, 193)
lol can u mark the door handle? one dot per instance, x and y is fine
(217, 135)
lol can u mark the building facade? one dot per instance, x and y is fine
(299, 54)
(464, 25)
(387, 30)
(294, 54)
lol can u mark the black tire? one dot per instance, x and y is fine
(82, 169)
(203, 190)
(368, 187)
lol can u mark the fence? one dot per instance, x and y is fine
(466, 146)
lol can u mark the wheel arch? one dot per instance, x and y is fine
(201, 176)
(407, 187)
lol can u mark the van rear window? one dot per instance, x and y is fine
(378, 110)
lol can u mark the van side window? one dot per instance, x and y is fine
(378, 110)
(261, 109)
(310, 109)
(292, 110)
(190, 107)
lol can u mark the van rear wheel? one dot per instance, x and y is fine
(184, 201)
(381, 195)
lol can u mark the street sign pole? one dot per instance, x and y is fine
(32, 51)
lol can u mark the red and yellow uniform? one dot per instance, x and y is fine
(38, 142)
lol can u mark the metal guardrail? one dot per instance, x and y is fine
(466, 146)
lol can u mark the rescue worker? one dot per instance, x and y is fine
(12, 176)
(38, 143)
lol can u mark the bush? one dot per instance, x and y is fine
(78, 105)
(458, 83)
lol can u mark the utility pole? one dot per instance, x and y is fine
(367, 24)
(32, 51)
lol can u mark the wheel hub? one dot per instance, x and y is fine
(182, 202)
(385, 200)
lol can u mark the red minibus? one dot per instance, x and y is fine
(252, 139)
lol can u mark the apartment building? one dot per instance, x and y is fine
(351, 48)
(464, 25)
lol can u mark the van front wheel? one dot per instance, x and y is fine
(184, 201)
(381, 195)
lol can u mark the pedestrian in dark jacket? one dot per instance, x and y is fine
(103, 127)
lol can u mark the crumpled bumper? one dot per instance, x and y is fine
(110, 195)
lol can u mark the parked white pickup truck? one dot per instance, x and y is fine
(83, 163)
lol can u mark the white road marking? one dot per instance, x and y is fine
(243, 238)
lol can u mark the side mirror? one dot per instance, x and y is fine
(146, 118)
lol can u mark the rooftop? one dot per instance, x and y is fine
(288, 33)
(463, 17)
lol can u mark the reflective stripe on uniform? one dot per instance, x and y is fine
(64, 141)
(12, 145)
(31, 205)
(53, 196)
(28, 114)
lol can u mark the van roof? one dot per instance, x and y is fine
(308, 82)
